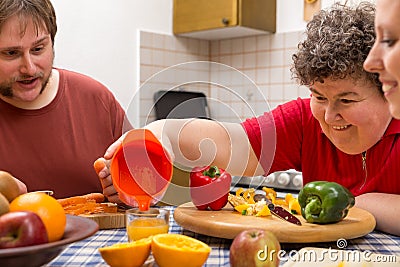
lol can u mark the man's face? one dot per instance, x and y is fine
(26, 60)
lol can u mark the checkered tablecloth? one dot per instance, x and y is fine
(85, 252)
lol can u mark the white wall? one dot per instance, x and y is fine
(290, 13)
(100, 37)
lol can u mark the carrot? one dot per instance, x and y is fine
(99, 164)
(109, 207)
(87, 208)
(87, 204)
(97, 197)
(91, 197)
(71, 201)
(91, 208)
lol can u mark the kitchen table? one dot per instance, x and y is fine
(85, 252)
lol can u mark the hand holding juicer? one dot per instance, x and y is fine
(141, 169)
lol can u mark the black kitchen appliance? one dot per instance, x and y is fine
(180, 105)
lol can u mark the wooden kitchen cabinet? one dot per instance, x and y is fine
(220, 19)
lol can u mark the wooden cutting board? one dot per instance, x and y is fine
(227, 223)
(108, 220)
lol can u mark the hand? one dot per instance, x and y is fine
(102, 168)
(113, 147)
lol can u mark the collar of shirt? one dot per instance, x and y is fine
(393, 128)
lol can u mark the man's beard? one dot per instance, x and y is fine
(6, 87)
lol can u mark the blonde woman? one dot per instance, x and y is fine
(384, 57)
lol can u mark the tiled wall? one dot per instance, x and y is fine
(246, 77)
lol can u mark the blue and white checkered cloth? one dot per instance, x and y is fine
(85, 252)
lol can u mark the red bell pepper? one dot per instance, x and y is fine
(209, 187)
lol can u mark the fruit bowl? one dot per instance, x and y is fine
(77, 228)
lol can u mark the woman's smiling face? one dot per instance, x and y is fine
(353, 116)
(384, 57)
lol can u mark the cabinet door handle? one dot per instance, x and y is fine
(225, 21)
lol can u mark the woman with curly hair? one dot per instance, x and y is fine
(343, 133)
(384, 57)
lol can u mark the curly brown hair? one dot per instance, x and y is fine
(337, 43)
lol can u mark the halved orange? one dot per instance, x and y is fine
(179, 250)
(130, 254)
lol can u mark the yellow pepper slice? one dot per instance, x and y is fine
(280, 202)
(248, 195)
(288, 198)
(294, 206)
(268, 191)
(264, 212)
(242, 207)
(239, 192)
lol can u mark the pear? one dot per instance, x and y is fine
(8, 186)
(4, 205)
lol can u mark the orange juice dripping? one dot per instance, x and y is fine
(143, 172)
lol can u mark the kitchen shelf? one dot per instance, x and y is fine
(221, 19)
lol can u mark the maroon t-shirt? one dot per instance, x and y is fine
(291, 138)
(54, 147)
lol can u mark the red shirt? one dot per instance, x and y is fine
(301, 145)
(54, 147)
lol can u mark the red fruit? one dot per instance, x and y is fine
(20, 229)
(254, 248)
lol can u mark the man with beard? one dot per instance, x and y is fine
(54, 122)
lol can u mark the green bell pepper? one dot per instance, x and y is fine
(324, 202)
